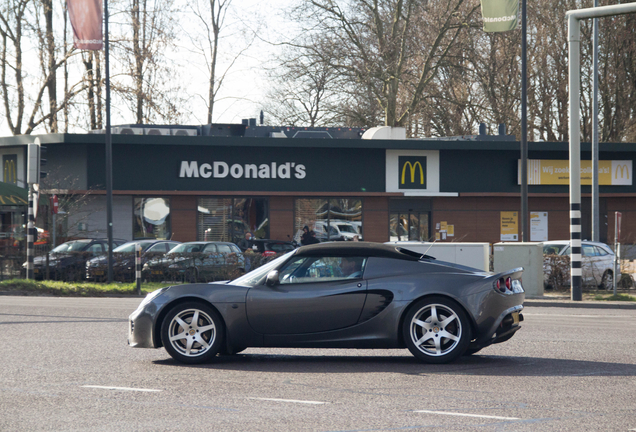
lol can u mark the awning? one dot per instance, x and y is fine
(12, 195)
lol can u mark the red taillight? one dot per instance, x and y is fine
(509, 283)
(498, 284)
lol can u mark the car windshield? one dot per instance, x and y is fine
(72, 246)
(347, 229)
(552, 249)
(255, 277)
(130, 247)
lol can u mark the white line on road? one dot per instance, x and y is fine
(466, 415)
(121, 388)
(289, 401)
(576, 315)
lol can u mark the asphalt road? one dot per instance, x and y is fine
(65, 366)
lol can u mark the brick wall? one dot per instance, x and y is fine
(375, 219)
(281, 216)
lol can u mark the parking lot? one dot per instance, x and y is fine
(66, 367)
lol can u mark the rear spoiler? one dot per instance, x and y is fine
(412, 253)
(512, 274)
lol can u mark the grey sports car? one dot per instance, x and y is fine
(336, 295)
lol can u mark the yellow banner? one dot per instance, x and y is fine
(557, 172)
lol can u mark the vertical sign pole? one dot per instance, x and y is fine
(574, 42)
(109, 153)
(138, 267)
(30, 236)
(524, 129)
(596, 214)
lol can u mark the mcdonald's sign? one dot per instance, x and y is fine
(412, 172)
(10, 173)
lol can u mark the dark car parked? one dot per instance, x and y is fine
(68, 260)
(124, 259)
(336, 295)
(197, 261)
(271, 247)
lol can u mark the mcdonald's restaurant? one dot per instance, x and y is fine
(218, 182)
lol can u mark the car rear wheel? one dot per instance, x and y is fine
(192, 333)
(436, 330)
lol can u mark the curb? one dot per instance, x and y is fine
(567, 303)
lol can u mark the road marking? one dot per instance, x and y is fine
(466, 415)
(121, 388)
(576, 315)
(289, 401)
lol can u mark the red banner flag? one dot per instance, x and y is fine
(86, 20)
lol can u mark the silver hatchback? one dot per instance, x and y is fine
(597, 264)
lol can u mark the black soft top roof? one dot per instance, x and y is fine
(359, 249)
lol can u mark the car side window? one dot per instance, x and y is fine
(211, 248)
(95, 249)
(601, 252)
(588, 251)
(321, 269)
(223, 248)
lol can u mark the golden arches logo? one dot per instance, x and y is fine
(624, 169)
(413, 167)
(10, 173)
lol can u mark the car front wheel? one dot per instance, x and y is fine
(192, 333)
(436, 330)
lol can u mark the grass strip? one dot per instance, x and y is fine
(76, 289)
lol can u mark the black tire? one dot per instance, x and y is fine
(436, 330)
(607, 281)
(192, 343)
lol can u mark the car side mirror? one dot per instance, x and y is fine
(272, 278)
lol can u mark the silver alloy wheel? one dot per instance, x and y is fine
(436, 330)
(192, 332)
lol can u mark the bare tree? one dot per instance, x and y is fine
(143, 76)
(393, 48)
(308, 90)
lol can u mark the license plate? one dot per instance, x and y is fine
(36, 270)
(515, 318)
(99, 272)
(157, 272)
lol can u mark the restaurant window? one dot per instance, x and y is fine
(151, 218)
(408, 226)
(229, 219)
(331, 219)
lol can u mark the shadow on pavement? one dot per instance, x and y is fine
(478, 365)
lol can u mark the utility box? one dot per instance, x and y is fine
(475, 255)
(528, 255)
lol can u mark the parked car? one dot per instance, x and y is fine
(197, 261)
(68, 260)
(268, 247)
(336, 295)
(124, 259)
(322, 228)
(597, 264)
(348, 230)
